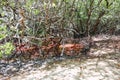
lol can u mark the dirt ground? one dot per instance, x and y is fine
(74, 69)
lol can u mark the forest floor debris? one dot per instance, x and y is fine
(105, 66)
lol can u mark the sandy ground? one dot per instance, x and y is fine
(74, 69)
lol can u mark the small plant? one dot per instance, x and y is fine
(6, 49)
(3, 32)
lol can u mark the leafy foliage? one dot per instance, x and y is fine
(6, 49)
(3, 32)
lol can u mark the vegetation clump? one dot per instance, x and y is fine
(31, 22)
